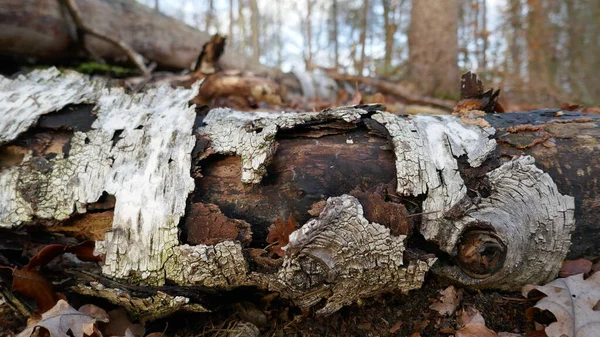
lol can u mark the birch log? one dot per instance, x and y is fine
(348, 174)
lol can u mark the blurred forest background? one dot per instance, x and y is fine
(540, 52)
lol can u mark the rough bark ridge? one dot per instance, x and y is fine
(343, 257)
(528, 214)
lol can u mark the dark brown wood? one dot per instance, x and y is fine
(313, 164)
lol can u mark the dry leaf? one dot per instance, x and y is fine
(357, 98)
(575, 304)
(574, 267)
(118, 324)
(475, 330)
(470, 315)
(61, 319)
(448, 303)
(135, 330)
(95, 312)
(156, 334)
(473, 325)
(28, 282)
(396, 327)
(279, 235)
(596, 266)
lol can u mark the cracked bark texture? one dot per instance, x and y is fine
(251, 135)
(530, 216)
(343, 257)
(138, 150)
(144, 308)
(427, 149)
(27, 97)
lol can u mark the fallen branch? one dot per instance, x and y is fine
(395, 89)
(136, 58)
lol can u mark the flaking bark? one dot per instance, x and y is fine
(139, 150)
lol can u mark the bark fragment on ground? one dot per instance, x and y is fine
(145, 308)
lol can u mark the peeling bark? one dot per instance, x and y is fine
(27, 97)
(144, 308)
(343, 257)
(426, 150)
(251, 135)
(446, 174)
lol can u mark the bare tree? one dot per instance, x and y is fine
(390, 28)
(210, 13)
(334, 34)
(231, 21)
(433, 47)
(363, 37)
(309, 36)
(254, 29)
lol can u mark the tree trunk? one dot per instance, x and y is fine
(389, 24)
(40, 28)
(433, 48)
(254, 27)
(231, 23)
(335, 33)
(309, 51)
(363, 183)
(210, 13)
(363, 38)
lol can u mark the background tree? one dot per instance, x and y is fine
(433, 46)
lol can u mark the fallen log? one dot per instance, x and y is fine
(372, 190)
(45, 30)
(395, 89)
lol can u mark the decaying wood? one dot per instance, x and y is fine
(43, 29)
(248, 86)
(343, 257)
(83, 29)
(26, 98)
(502, 219)
(212, 51)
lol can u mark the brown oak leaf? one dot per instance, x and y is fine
(64, 320)
(29, 283)
(279, 235)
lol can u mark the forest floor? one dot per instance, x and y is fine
(391, 314)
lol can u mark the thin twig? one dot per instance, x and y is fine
(136, 58)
